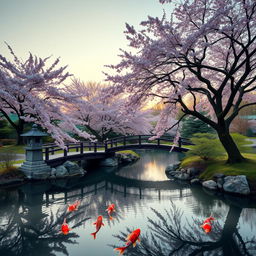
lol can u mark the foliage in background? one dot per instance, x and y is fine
(31, 89)
(104, 117)
(7, 160)
(192, 125)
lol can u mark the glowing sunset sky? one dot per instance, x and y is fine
(85, 34)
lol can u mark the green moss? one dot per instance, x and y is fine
(218, 165)
(128, 152)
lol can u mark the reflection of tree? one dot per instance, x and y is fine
(170, 235)
(23, 231)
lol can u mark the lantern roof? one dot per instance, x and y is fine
(34, 132)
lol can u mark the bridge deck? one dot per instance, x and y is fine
(89, 150)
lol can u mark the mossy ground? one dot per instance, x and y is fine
(128, 152)
(219, 165)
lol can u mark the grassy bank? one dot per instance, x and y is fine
(128, 152)
(219, 165)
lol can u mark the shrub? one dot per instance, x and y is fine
(206, 146)
(7, 159)
(192, 125)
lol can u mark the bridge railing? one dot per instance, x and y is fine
(87, 146)
(80, 148)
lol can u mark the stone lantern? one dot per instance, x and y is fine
(34, 166)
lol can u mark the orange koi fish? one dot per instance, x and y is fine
(110, 210)
(131, 240)
(207, 227)
(73, 207)
(64, 227)
(98, 224)
(207, 224)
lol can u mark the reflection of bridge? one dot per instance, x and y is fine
(113, 183)
(99, 150)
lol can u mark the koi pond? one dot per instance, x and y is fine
(168, 213)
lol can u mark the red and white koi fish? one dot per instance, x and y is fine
(73, 207)
(207, 224)
(110, 210)
(98, 224)
(207, 227)
(131, 240)
(65, 228)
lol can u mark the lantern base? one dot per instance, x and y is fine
(37, 170)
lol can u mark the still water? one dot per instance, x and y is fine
(168, 213)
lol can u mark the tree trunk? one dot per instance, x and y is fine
(20, 130)
(234, 155)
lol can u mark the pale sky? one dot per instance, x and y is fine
(86, 34)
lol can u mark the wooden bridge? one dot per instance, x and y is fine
(100, 150)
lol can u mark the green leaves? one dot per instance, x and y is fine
(207, 146)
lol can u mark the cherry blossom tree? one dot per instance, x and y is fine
(205, 50)
(103, 116)
(31, 90)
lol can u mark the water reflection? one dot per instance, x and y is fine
(31, 216)
(25, 226)
(169, 235)
(153, 165)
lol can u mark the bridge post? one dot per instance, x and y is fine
(52, 149)
(95, 147)
(158, 142)
(139, 139)
(89, 146)
(65, 153)
(81, 148)
(111, 143)
(179, 142)
(124, 141)
(46, 154)
(106, 146)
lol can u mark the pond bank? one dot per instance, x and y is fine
(15, 177)
(237, 179)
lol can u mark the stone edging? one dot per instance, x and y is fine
(228, 184)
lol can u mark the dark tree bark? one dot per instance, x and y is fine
(234, 155)
(20, 129)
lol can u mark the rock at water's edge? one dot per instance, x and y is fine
(195, 181)
(172, 167)
(61, 171)
(236, 184)
(111, 162)
(182, 176)
(210, 184)
(73, 168)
